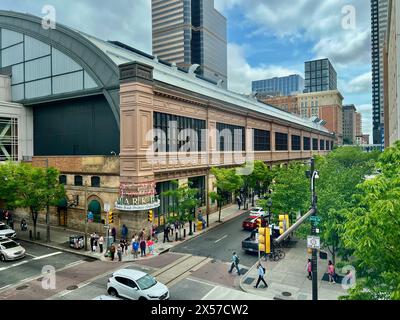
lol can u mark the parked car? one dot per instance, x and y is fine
(6, 231)
(258, 212)
(10, 250)
(136, 285)
(250, 223)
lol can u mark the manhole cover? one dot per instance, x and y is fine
(249, 280)
(22, 287)
(286, 294)
(72, 287)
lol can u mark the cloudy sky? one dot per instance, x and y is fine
(266, 38)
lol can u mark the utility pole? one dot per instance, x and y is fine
(47, 205)
(86, 218)
(314, 261)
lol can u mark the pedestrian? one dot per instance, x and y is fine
(261, 274)
(124, 232)
(135, 248)
(235, 263)
(95, 241)
(166, 232)
(91, 242)
(126, 247)
(101, 243)
(309, 269)
(112, 252)
(331, 272)
(114, 233)
(119, 252)
(24, 225)
(7, 216)
(150, 245)
(142, 247)
(239, 202)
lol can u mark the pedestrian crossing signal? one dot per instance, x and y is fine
(150, 216)
(110, 217)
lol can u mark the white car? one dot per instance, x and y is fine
(6, 231)
(258, 212)
(10, 250)
(105, 297)
(136, 285)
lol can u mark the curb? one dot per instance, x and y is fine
(60, 249)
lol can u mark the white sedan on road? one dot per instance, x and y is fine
(6, 231)
(10, 250)
(258, 212)
(136, 285)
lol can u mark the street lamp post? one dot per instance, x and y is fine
(86, 218)
(269, 210)
(314, 262)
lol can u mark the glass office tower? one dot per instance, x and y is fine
(191, 32)
(320, 76)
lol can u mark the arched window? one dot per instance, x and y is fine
(95, 182)
(62, 179)
(78, 181)
(95, 207)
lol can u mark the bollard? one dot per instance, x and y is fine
(30, 234)
(194, 227)
(176, 236)
(184, 233)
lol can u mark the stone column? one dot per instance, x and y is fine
(136, 116)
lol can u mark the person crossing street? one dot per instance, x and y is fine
(235, 263)
(261, 274)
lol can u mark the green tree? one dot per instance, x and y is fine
(32, 187)
(184, 203)
(256, 182)
(372, 231)
(227, 182)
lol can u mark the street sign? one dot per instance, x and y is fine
(107, 207)
(313, 242)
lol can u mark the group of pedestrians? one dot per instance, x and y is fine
(331, 271)
(96, 241)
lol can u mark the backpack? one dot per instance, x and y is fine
(263, 269)
(237, 260)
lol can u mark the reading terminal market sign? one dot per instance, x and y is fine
(137, 197)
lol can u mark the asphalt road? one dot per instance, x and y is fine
(220, 242)
(37, 257)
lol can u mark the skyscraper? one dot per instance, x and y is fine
(379, 19)
(349, 124)
(320, 76)
(279, 86)
(189, 32)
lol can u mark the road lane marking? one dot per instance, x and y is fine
(72, 264)
(28, 254)
(14, 265)
(209, 293)
(9, 285)
(221, 238)
(47, 255)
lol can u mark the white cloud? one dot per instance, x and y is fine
(241, 73)
(360, 84)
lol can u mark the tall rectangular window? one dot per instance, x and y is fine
(306, 144)
(321, 144)
(281, 141)
(296, 143)
(231, 137)
(162, 121)
(262, 140)
(315, 144)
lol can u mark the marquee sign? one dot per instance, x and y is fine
(137, 197)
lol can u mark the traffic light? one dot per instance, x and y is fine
(258, 223)
(150, 216)
(110, 217)
(264, 240)
(283, 223)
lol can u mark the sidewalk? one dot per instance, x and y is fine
(288, 276)
(60, 237)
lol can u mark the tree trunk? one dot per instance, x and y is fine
(219, 214)
(34, 219)
(252, 198)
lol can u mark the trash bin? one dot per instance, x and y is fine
(76, 241)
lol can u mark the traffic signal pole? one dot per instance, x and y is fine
(314, 261)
